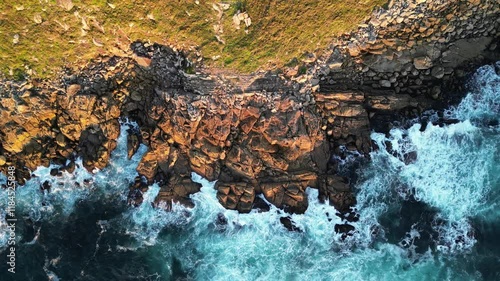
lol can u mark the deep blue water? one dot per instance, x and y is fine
(437, 218)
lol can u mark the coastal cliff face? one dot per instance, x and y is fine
(268, 133)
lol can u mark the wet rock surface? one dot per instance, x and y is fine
(267, 133)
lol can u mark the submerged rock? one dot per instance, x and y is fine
(344, 229)
(288, 223)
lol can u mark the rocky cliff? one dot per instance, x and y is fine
(267, 133)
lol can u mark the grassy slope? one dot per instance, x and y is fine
(280, 30)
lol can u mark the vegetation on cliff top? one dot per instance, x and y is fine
(38, 37)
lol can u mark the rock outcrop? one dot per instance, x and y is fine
(407, 58)
(267, 133)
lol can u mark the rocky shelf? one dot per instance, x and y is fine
(270, 133)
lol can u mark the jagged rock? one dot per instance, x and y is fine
(136, 191)
(335, 66)
(342, 201)
(437, 72)
(143, 61)
(337, 183)
(289, 196)
(236, 196)
(344, 229)
(390, 102)
(347, 117)
(148, 165)
(289, 224)
(385, 83)
(422, 63)
(177, 189)
(255, 134)
(260, 205)
(60, 140)
(336, 190)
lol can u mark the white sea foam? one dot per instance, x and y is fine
(256, 246)
(454, 170)
(484, 101)
(145, 222)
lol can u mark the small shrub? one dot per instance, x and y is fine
(293, 62)
(302, 69)
(228, 60)
(240, 5)
(189, 70)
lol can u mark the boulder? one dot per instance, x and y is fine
(385, 83)
(422, 63)
(437, 72)
(236, 196)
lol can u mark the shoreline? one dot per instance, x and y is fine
(269, 133)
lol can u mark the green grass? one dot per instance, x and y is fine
(280, 31)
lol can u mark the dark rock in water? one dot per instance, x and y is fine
(343, 201)
(55, 172)
(345, 229)
(134, 140)
(136, 190)
(135, 197)
(493, 123)
(423, 125)
(220, 224)
(221, 220)
(187, 202)
(337, 191)
(70, 168)
(441, 122)
(260, 205)
(410, 157)
(177, 189)
(351, 216)
(289, 224)
(337, 183)
(497, 68)
(45, 186)
(168, 205)
(388, 147)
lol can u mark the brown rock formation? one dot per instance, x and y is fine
(243, 140)
(411, 47)
(46, 122)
